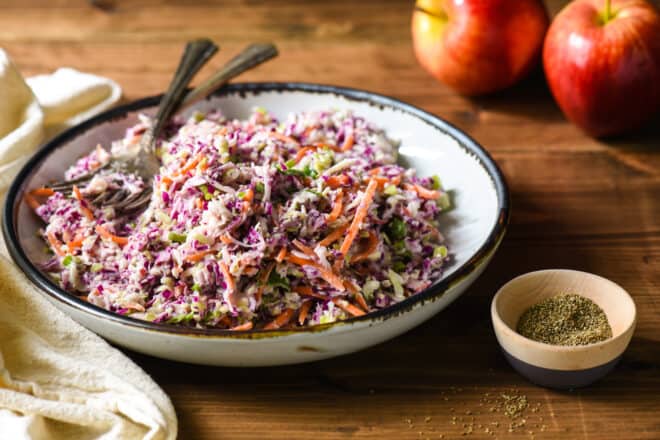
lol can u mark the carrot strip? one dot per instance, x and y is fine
(374, 171)
(348, 143)
(304, 248)
(199, 203)
(231, 284)
(322, 145)
(166, 181)
(110, 236)
(263, 279)
(222, 131)
(371, 248)
(249, 195)
(74, 244)
(245, 326)
(281, 320)
(327, 274)
(423, 192)
(83, 203)
(337, 208)
(42, 192)
(308, 291)
(360, 215)
(333, 236)
(337, 181)
(55, 244)
(198, 256)
(226, 239)
(281, 255)
(283, 137)
(361, 301)
(32, 202)
(347, 307)
(304, 310)
(190, 165)
(302, 152)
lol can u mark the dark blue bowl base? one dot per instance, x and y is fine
(560, 379)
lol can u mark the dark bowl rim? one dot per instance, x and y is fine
(434, 291)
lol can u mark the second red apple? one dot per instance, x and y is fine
(478, 46)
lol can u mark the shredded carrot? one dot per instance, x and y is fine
(198, 256)
(166, 181)
(361, 301)
(374, 171)
(333, 236)
(382, 181)
(74, 244)
(204, 164)
(281, 255)
(231, 284)
(281, 320)
(423, 192)
(249, 195)
(284, 138)
(32, 202)
(304, 310)
(302, 152)
(304, 248)
(360, 215)
(55, 244)
(396, 180)
(200, 203)
(226, 238)
(308, 291)
(222, 131)
(190, 165)
(371, 248)
(245, 326)
(263, 279)
(323, 145)
(42, 192)
(337, 181)
(121, 241)
(337, 208)
(348, 143)
(347, 307)
(327, 274)
(83, 203)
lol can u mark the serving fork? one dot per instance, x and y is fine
(145, 164)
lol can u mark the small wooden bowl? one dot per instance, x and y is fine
(557, 366)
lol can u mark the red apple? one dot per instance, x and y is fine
(602, 62)
(478, 46)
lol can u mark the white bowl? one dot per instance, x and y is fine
(474, 228)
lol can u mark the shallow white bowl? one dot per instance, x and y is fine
(474, 228)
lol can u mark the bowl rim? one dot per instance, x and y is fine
(520, 339)
(351, 94)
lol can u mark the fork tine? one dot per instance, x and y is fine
(67, 185)
(120, 204)
(139, 202)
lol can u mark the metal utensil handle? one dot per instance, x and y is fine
(195, 55)
(249, 58)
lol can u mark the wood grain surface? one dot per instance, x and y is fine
(578, 203)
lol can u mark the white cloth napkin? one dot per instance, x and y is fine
(57, 379)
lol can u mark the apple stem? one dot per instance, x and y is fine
(608, 10)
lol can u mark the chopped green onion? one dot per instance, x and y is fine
(259, 186)
(435, 182)
(276, 280)
(176, 237)
(196, 287)
(396, 229)
(67, 260)
(205, 190)
(444, 202)
(440, 252)
(290, 163)
(390, 190)
(96, 267)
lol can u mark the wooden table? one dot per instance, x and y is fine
(577, 203)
